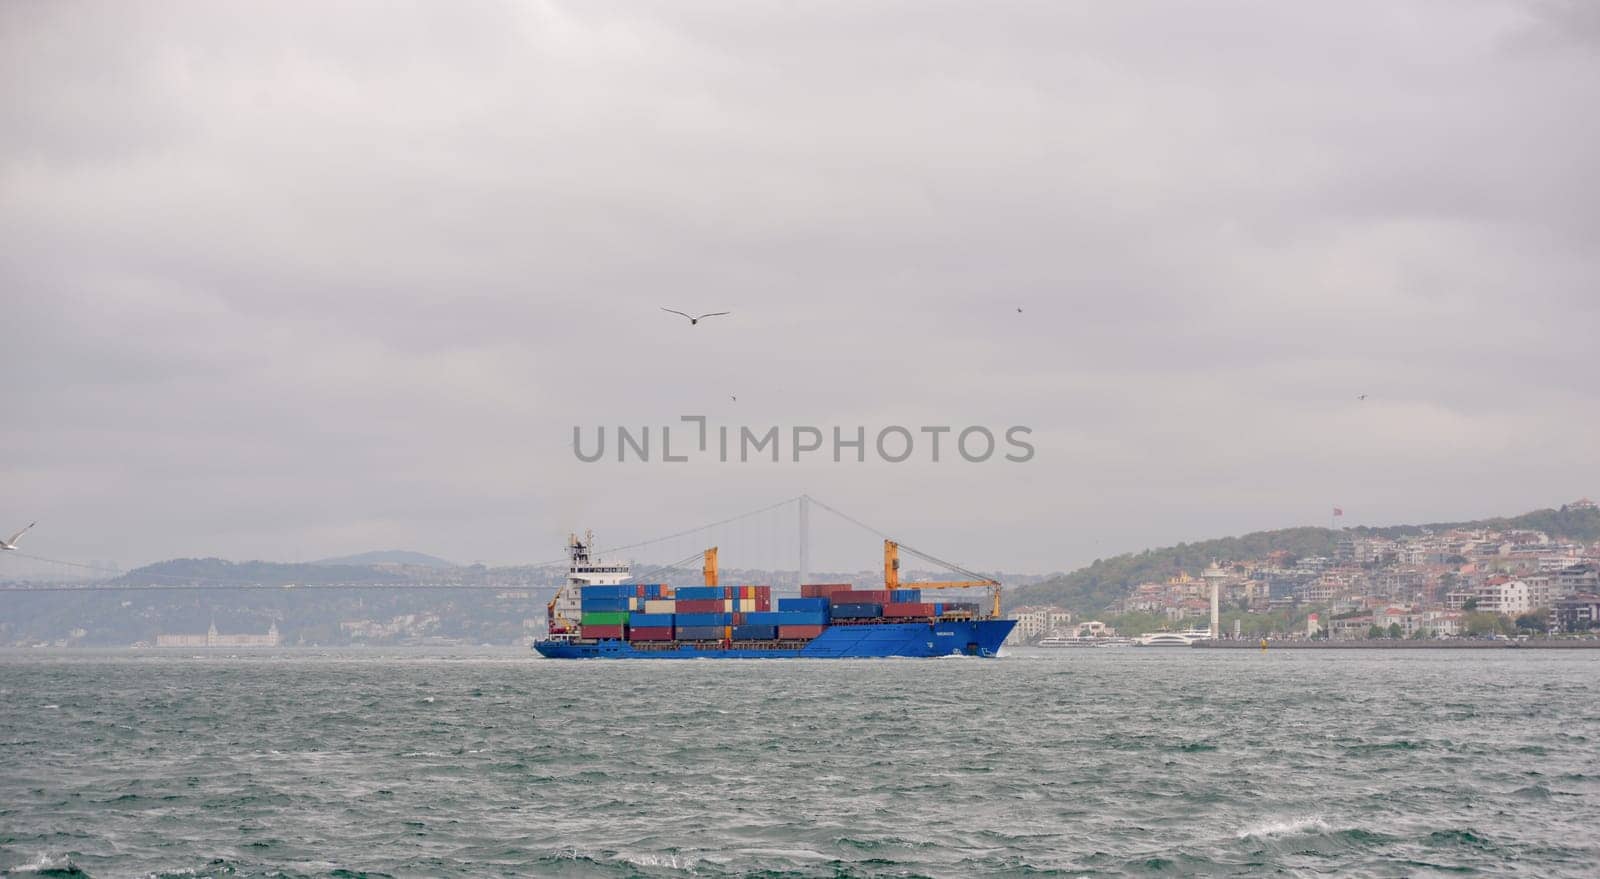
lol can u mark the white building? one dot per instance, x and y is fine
(1509, 597)
(1034, 623)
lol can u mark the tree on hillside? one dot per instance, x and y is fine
(1395, 632)
(1482, 623)
(1534, 621)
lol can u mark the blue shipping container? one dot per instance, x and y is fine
(699, 593)
(693, 620)
(649, 620)
(624, 591)
(604, 604)
(811, 604)
(857, 611)
(906, 595)
(786, 618)
(701, 633)
(755, 633)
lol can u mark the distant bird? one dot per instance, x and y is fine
(11, 542)
(733, 398)
(1019, 311)
(1361, 396)
(694, 320)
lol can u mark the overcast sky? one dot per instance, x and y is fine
(286, 281)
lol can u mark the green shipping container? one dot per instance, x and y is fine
(605, 618)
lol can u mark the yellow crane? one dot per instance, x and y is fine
(710, 568)
(891, 577)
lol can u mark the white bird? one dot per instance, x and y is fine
(11, 542)
(694, 320)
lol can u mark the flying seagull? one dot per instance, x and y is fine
(1019, 311)
(733, 397)
(11, 542)
(694, 320)
(1361, 396)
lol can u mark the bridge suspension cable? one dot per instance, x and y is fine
(656, 569)
(39, 558)
(910, 549)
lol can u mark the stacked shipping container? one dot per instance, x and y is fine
(654, 612)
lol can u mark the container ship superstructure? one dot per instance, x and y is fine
(597, 614)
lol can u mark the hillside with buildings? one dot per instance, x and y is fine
(1531, 573)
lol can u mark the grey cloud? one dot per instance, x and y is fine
(298, 281)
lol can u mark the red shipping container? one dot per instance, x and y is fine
(738, 619)
(822, 590)
(602, 631)
(704, 605)
(908, 609)
(651, 633)
(800, 631)
(763, 602)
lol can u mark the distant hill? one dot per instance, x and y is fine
(1091, 589)
(390, 557)
(220, 572)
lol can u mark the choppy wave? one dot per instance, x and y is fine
(46, 864)
(1284, 827)
(1094, 763)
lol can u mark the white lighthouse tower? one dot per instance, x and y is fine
(1214, 576)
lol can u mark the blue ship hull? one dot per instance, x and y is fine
(874, 641)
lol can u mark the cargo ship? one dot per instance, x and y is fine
(598, 614)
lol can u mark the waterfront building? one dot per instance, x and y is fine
(1034, 623)
(212, 638)
(1350, 628)
(1576, 613)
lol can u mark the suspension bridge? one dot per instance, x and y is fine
(773, 542)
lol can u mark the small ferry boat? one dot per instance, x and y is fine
(1171, 639)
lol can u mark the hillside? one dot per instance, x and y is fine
(214, 571)
(390, 557)
(1091, 589)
